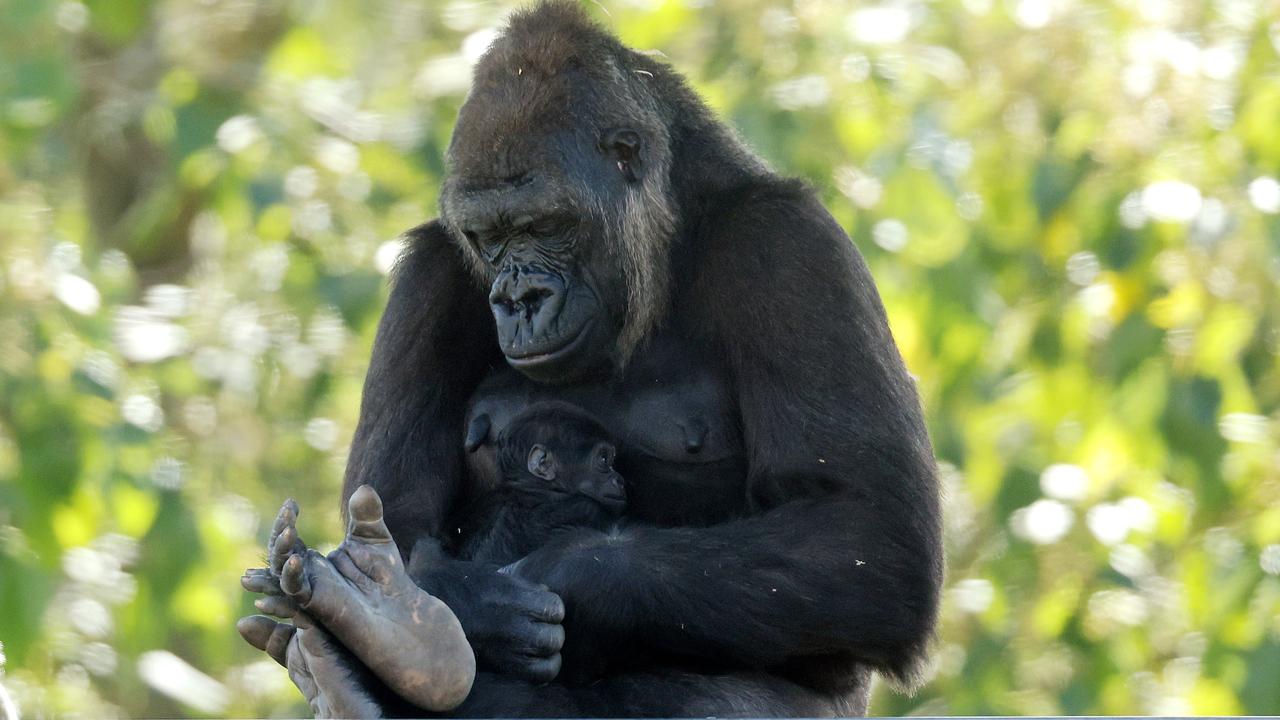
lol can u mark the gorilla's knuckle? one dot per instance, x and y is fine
(545, 670)
(550, 637)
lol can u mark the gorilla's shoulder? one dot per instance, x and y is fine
(773, 213)
(428, 244)
(426, 236)
(430, 256)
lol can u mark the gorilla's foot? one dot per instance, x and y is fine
(363, 596)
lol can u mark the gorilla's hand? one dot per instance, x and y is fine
(332, 681)
(586, 568)
(283, 543)
(513, 624)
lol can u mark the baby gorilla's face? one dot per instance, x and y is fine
(578, 468)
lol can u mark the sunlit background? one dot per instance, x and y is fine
(1071, 208)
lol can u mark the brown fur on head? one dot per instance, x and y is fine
(551, 79)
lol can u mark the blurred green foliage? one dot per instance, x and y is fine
(1070, 207)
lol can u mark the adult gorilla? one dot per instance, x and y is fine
(605, 241)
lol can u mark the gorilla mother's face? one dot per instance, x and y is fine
(536, 231)
(558, 191)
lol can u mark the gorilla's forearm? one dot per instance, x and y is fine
(839, 576)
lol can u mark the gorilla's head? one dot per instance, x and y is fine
(559, 191)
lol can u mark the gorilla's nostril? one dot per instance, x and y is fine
(532, 298)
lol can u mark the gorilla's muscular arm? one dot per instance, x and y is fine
(434, 343)
(844, 559)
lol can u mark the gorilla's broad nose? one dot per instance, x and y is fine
(529, 295)
(522, 293)
(526, 304)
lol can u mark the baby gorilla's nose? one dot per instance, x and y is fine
(613, 495)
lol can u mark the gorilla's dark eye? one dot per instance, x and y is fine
(546, 227)
(490, 246)
(604, 459)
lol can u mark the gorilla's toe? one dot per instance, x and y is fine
(365, 511)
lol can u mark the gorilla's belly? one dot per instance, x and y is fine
(680, 448)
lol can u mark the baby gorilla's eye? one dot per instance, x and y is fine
(604, 460)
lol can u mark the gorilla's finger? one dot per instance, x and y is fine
(267, 635)
(283, 548)
(544, 605)
(256, 630)
(287, 517)
(294, 580)
(536, 669)
(278, 606)
(260, 580)
(543, 640)
(365, 510)
(278, 643)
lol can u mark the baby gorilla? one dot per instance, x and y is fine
(555, 473)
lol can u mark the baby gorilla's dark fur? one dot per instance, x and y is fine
(556, 473)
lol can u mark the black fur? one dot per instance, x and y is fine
(524, 511)
(821, 558)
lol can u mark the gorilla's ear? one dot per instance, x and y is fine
(623, 146)
(541, 463)
(478, 432)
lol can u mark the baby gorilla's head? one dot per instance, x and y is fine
(556, 448)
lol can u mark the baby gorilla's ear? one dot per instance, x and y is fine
(477, 432)
(542, 463)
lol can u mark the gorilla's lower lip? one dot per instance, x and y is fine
(567, 348)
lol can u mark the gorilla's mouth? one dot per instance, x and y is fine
(549, 352)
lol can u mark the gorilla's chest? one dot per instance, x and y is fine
(680, 446)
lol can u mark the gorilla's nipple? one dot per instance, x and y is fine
(695, 435)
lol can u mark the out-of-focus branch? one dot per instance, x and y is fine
(129, 166)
